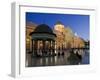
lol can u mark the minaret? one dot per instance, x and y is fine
(59, 30)
(59, 26)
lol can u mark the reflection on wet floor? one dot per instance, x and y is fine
(67, 59)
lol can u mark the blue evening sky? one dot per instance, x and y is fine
(78, 23)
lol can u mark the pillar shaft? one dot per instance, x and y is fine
(32, 46)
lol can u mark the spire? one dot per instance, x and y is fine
(58, 22)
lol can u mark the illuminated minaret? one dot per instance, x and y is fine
(59, 27)
(59, 31)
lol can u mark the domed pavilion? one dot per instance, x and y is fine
(43, 41)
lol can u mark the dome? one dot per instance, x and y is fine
(43, 28)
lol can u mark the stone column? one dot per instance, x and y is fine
(53, 47)
(43, 51)
(49, 49)
(35, 47)
(32, 47)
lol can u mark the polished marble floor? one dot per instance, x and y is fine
(67, 59)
